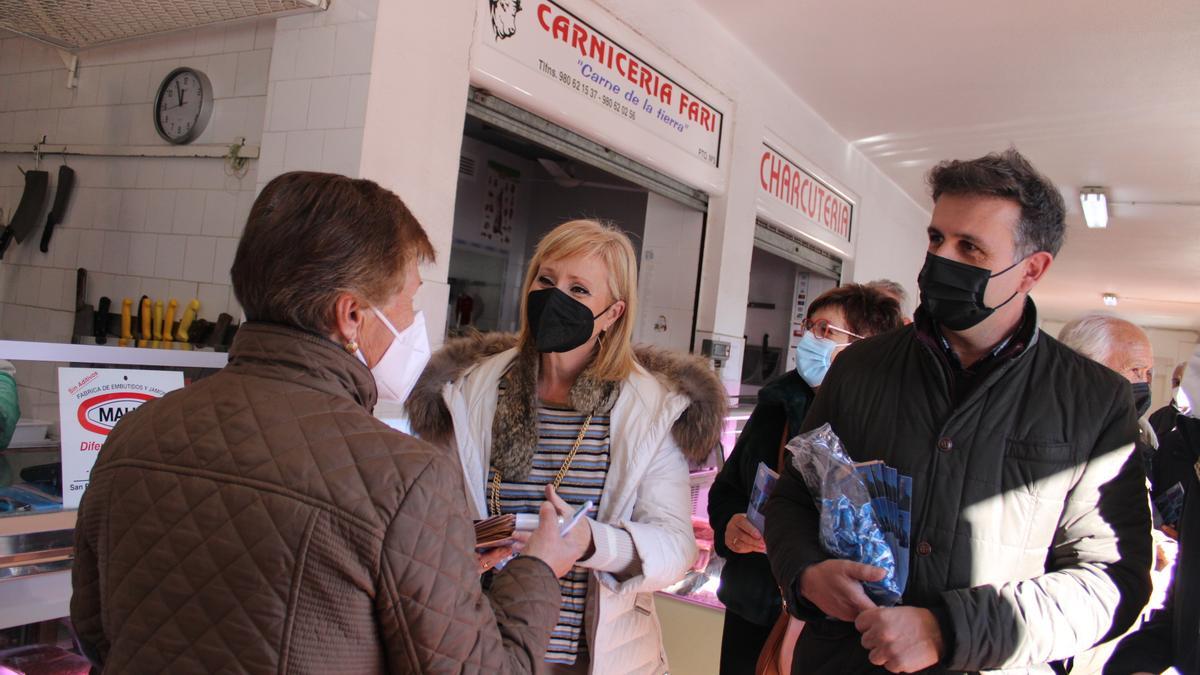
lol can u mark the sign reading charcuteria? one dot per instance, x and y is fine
(597, 72)
(804, 193)
(91, 402)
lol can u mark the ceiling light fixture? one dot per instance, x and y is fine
(1095, 207)
(1110, 299)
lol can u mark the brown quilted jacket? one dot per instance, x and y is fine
(262, 521)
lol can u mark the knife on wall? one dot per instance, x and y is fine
(62, 194)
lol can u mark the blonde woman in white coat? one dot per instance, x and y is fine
(571, 403)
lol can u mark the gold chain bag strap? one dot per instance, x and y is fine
(494, 497)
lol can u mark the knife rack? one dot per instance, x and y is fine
(198, 335)
(212, 151)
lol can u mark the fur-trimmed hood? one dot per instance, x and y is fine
(697, 430)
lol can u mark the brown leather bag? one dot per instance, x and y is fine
(776, 655)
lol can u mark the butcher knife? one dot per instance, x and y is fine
(85, 314)
(29, 210)
(126, 322)
(185, 324)
(216, 339)
(169, 323)
(62, 194)
(100, 329)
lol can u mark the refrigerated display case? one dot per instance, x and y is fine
(36, 531)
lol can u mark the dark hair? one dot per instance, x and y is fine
(1009, 175)
(868, 310)
(312, 236)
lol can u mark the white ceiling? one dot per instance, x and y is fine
(1094, 92)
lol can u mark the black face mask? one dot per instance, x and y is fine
(952, 292)
(558, 322)
(1141, 398)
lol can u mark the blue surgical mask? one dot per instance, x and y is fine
(813, 356)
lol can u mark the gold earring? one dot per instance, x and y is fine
(351, 347)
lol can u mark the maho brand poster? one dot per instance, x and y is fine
(91, 401)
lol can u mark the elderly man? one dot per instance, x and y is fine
(895, 290)
(1125, 348)
(1030, 525)
(1118, 344)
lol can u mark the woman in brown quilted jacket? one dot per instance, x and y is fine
(262, 521)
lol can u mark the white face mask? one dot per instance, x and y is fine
(405, 359)
(1187, 399)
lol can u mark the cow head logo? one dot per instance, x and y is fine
(504, 17)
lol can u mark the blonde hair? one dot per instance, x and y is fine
(585, 238)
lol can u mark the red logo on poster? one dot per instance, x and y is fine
(100, 414)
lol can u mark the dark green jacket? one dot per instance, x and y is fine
(10, 407)
(747, 586)
(1031, 522)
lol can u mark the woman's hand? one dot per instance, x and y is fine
(489, 558)
(742, 537)
(546, 544)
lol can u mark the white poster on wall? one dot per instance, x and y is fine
(90, 402)
(499, 204)
(799, 314)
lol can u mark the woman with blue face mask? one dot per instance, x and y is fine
(836, 319)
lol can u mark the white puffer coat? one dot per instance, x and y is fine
(646, 493)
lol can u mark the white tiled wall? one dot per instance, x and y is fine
(318, 80)
(163, 227)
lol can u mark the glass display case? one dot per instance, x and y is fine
(699, 585)
(36, 531)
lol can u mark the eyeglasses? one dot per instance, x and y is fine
(825, 330)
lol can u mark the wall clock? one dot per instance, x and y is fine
(183, 105)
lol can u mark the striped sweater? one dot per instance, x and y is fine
(558, 428)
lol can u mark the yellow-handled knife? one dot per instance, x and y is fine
(126, 322)
(189, 315)
(169, 323)
(146, 319)
(158, 319)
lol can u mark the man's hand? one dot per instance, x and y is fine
(742, 537)
(901, 639)
(835, 587)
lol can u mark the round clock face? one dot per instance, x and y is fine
(183, 105)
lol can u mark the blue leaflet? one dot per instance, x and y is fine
(854, 525)
(851, 532)
(764, 484)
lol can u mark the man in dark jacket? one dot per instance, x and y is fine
(748, 588)
(1030, 523)
(1168, 638)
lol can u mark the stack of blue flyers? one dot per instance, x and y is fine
(891, 498)
(865, 509)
